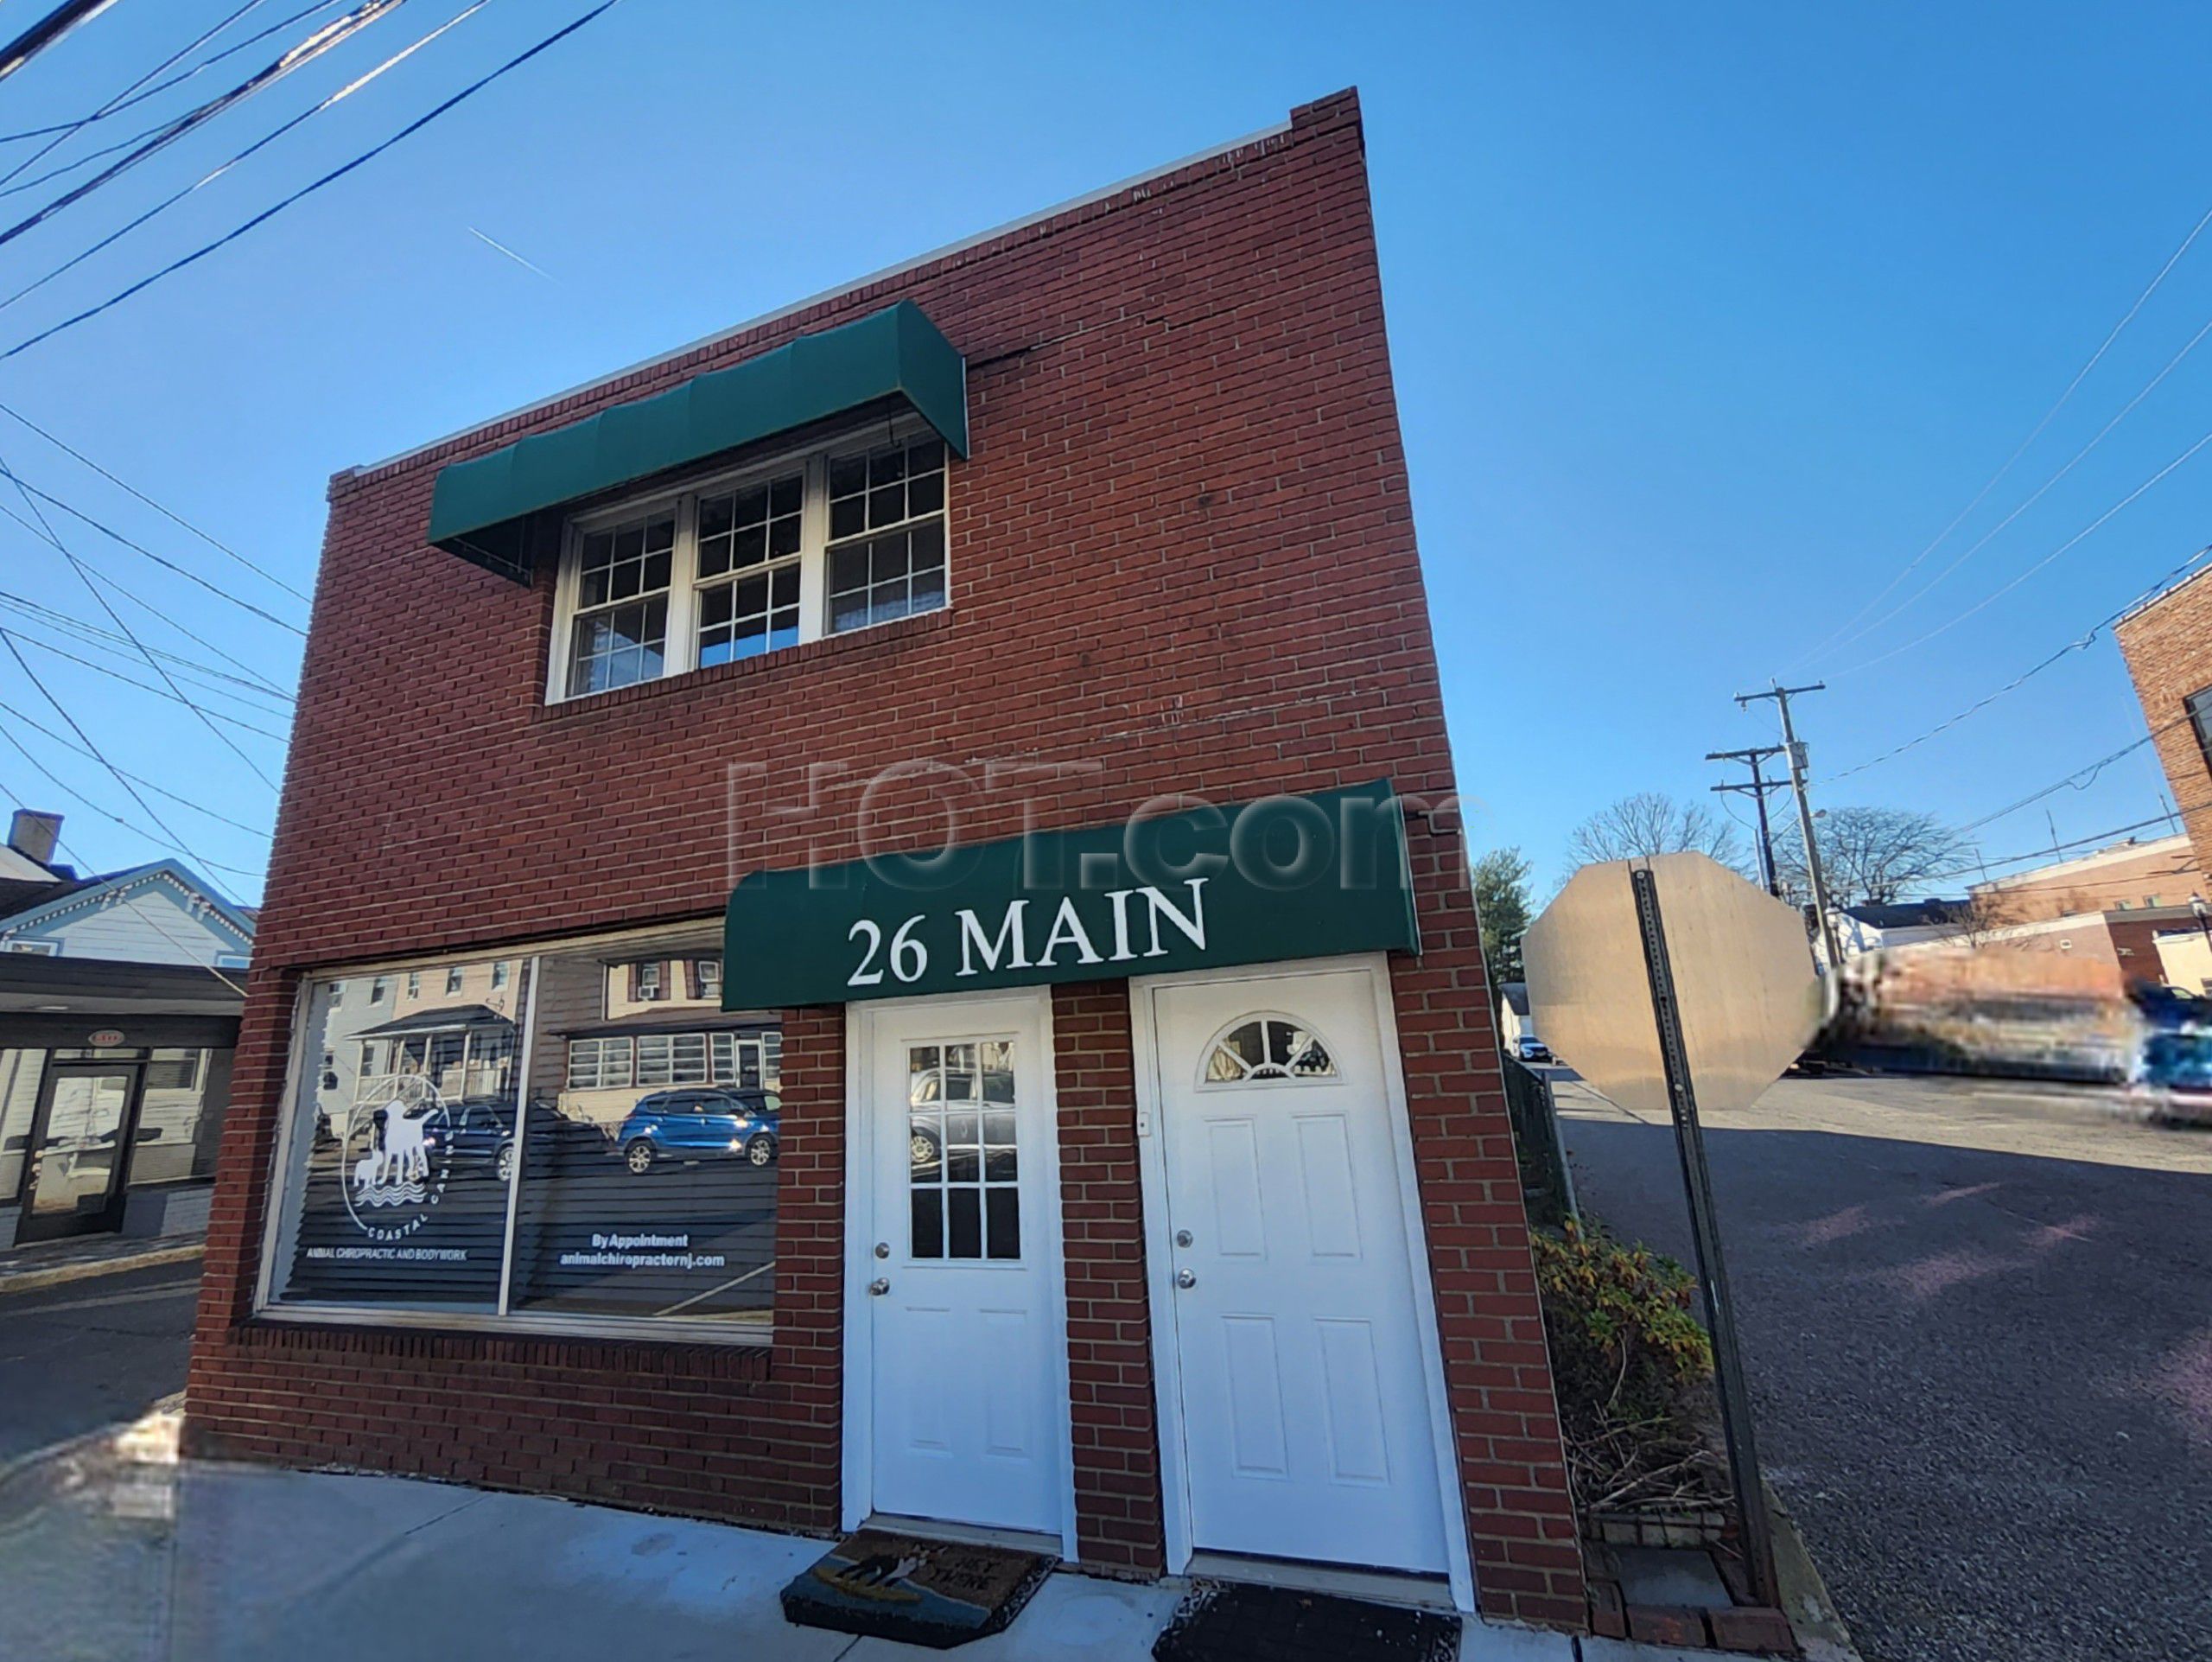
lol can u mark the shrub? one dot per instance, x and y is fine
(1633, 1369)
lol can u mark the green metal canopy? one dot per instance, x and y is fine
(498, 509)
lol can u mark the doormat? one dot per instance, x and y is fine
(1221, 1622)
(934, 1593)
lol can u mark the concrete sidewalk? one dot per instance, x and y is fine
(26, 1269)
(112, 1550)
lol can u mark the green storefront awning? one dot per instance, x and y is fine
(498, 509)
(1283, 877)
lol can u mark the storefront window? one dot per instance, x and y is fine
(181, 1112)
(649, 1189)
(571, 1136)
(402, 1148)
(19, 1076)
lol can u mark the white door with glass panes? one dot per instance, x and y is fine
(1305, 1428)
(966, 1405)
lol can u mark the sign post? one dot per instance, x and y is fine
(1727, 974)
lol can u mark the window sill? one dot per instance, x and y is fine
(875, 636)
(581, 1330)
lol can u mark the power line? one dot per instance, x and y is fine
(308, 114)
(92, 635)
(2034, 433)
(13, 639)
(2036, 496)
(45, 32)
(123, 896)
(166, 564)
(47, 149)
(170, 514)
(253, 675)
(82, 800)
(323, 39)
(308, 189)
(85, 739)
(115, 617)
(2004, 589)
(206, 63)
(38, 726)
(2026, 675)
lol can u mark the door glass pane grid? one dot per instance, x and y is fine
(963, 1166)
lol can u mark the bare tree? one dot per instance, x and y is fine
(1874, 856)
(1651, 822)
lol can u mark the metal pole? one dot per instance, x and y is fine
(1705, 1232)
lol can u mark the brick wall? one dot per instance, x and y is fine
(1182, 560)
(1117, 1436)
(2168, 647)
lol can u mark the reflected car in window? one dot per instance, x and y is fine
(700, 1124)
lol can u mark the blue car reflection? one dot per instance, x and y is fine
(700, 1124)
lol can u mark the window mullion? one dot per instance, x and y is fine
(813, 560)
(682, 653)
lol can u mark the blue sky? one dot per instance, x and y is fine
(1706, 321)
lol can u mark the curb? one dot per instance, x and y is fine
(29, 1280)
(1820, 1626)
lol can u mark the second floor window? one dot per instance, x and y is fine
(752, 563)
(2199, 706)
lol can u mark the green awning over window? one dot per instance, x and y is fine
(495, 510)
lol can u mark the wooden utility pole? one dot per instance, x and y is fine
(1755, 758)
(1794, 753)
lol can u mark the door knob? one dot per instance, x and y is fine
(1186, 1278)
(879, 1287)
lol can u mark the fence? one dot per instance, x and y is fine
(1546, 1188)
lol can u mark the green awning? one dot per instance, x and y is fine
(497, 510)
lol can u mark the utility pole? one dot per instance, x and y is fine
(1755, 758)
(1794, 753)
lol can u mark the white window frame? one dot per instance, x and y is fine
(680, 652)
(36, 948)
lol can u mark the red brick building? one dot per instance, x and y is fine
(1128, 1166)
(2167, 641)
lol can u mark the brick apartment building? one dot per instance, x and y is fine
(918, 963)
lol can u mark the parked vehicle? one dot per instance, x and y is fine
(480, 1131)
(696, 1124)
(1529, 1049)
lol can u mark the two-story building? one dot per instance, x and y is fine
(988, 717)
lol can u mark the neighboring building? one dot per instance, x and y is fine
(1872, 925)
(2083, 927)
(117, 1022)
(2167, 641)
(1513, 1018)
(2129, 876)
(158, 914)
(987, 720)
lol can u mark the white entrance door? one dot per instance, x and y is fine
(1306, 1432)
(966, 1403)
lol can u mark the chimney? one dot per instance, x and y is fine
(33, 835)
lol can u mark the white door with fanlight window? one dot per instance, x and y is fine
(1296, 1334)
(957, 1230)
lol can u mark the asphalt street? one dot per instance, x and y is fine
(90, 1353)
(1978, 1320)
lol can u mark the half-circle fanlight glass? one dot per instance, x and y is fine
(1268, 1047)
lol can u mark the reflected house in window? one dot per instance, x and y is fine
(618, 1028)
